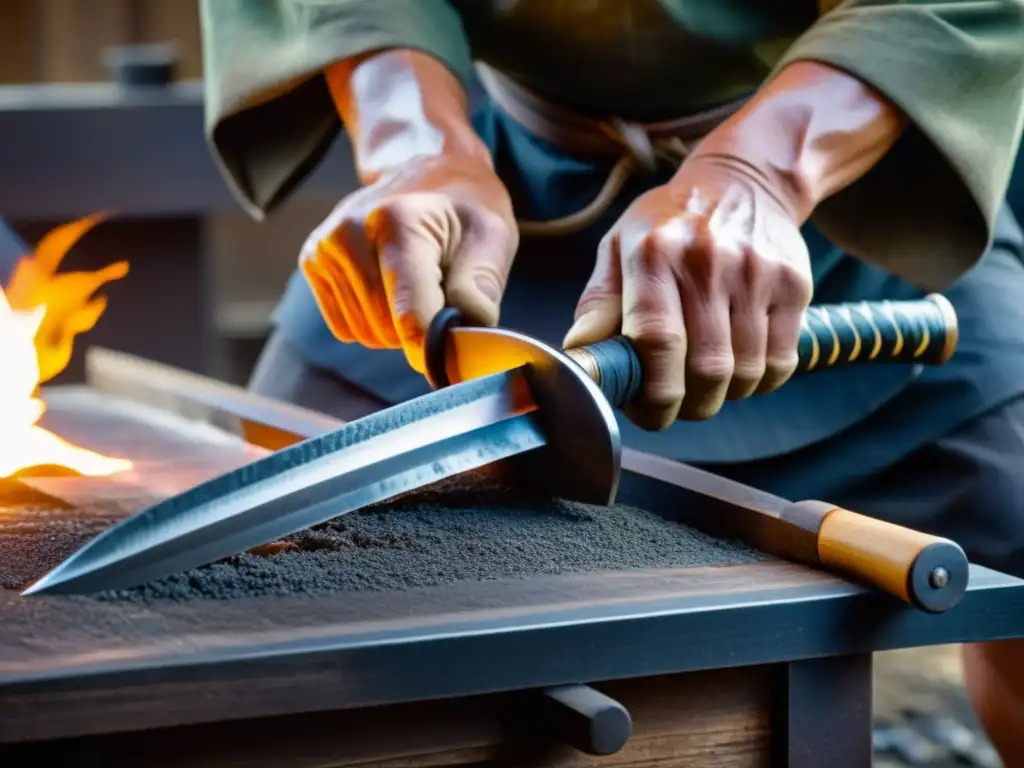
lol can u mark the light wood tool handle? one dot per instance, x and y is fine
(926, 571)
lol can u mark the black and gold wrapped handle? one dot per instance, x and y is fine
(926, 571)
(921, 331)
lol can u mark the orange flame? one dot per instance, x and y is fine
(41, 312)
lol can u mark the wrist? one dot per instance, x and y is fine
(398, 106)
(794, 202)
(809, 133)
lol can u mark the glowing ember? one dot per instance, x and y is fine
(41, 312)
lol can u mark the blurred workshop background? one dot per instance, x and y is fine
(101, 109)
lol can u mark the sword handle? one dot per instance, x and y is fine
(920, 331)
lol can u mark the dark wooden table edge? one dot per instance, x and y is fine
(453, 661)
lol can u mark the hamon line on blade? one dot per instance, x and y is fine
(374, 459)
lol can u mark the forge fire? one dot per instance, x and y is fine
(41, 313)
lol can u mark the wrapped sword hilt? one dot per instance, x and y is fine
(921, 331)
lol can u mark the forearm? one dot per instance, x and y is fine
(398, 105)
(810, 132)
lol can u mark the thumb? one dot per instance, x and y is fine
(599, 311)
(479, 269)
(409, 254)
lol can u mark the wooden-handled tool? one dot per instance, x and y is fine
(926, 571)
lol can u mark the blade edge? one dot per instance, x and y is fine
(486, 446)
(500, 400)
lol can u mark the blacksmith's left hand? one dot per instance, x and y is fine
(708, 276)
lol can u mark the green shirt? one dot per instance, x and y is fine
(925, 213)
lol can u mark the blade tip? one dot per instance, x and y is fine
(49, 583)
(38, 588)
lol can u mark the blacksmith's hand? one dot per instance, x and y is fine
(433, 225)
(438, 232)
(708, 275)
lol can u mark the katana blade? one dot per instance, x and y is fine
(374, 459)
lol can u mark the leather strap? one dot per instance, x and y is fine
(634, 145)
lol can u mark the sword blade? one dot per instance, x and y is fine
(363, 462)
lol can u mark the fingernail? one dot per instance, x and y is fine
(582, 329)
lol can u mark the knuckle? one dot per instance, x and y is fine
(794, 284)
(600, 289)
(329, 232)
(648, 304)
(749, 370)
(664, 239)
(712, 366)
(752, 265)
(384, 221)
(663, 394)
(393, 212)
(593, 297)
(654, 333)
(781, 364)
(498, 238)
(701, 409)
(402, 295)
(400, 215)
(491, 225)
(651, 417)
(649, 255)
(778, 371)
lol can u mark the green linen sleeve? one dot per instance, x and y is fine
(269, 115)
(956, 70)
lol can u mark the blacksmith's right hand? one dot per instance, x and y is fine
(437, 232)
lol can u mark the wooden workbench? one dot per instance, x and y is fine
(764, 664)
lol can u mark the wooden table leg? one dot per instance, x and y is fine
(822, 713)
